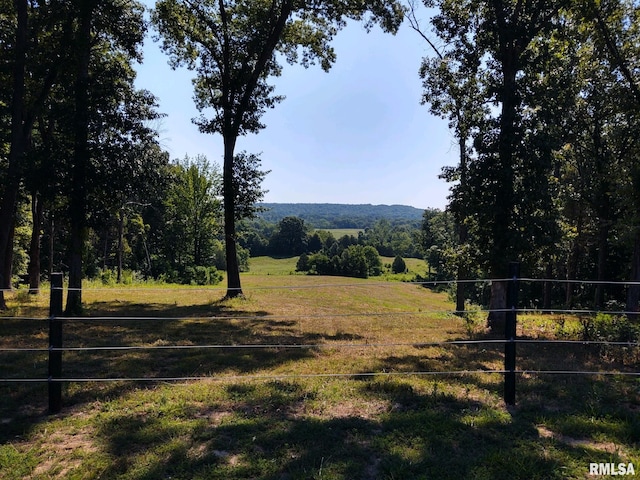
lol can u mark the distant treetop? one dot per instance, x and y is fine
(333, 215)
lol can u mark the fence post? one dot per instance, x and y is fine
(55, 341)
(510, 335)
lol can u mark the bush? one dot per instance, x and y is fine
(398, 265)
(320, 264)
(303, 263)
(108, 277)
(609, 328)
(612, 328)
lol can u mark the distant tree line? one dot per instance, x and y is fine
(333, 216)
(293, 236)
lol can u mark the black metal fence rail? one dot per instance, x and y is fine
(55, 350)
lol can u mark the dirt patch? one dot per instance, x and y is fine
(64, 451)
(608, 447)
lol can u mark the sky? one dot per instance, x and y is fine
(357, 134)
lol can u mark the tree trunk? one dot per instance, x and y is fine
(496, 321)
(234, 288)
(546, 294)
(18, 146)
(105, 249)
(77, 207)
(463, 232)
(503, 233)
(603, 236)
(8, 260)
(34, 247)
(572, 262)
(52, 244)
(460, 291)
(120, 244)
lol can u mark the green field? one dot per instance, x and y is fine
(287, 266)
(272, 266)
(342, 401)
(341, 232)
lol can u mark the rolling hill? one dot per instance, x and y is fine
(334, 215)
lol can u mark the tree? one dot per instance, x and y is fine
(233, 48)
(76, 91)
(192, 212)
(398, 265)
(453, 90)
(18, 147)
(102, 30)
(505, 194)
(247, 181)
(290, 238)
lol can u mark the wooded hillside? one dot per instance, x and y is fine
(333, 215)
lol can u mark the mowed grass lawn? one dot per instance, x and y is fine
(307, 377)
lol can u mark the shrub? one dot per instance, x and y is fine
(398, 265)
(303, 263)
(108, 277)
(611, 328)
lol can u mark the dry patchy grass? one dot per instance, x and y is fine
(263, 413)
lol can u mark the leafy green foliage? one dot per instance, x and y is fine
(247, 181)
(398, 265)
(192, 215)
(352, 261)
(332, 216)
(233, 48)
(290, 238)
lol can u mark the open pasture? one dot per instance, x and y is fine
(341, 232)
(306, 377)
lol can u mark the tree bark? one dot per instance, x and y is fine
(77, 207)
(603, 237)
(234, 288)
(18, 146)
(546, 294)
(503, 241)
(463, 232)
(34, 247)
(52, 244)
(120, 244)
(496, 321)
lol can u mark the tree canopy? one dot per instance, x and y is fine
(234, 48)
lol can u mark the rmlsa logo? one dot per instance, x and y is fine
(611, 469)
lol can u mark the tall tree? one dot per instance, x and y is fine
(233, 46)
(193, 212)
(504, 195)
(78, 198)
(42, 34)
(17, 150)
(104, 28)
(452, 89)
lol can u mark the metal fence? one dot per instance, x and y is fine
(56, 322)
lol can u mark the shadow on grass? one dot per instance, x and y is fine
(269, 434)
(234, 341)
(296, 430)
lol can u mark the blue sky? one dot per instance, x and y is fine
(356, 134)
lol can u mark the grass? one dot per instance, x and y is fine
(260, 266)
(259, 415)
(272, 266)
(341, 232)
